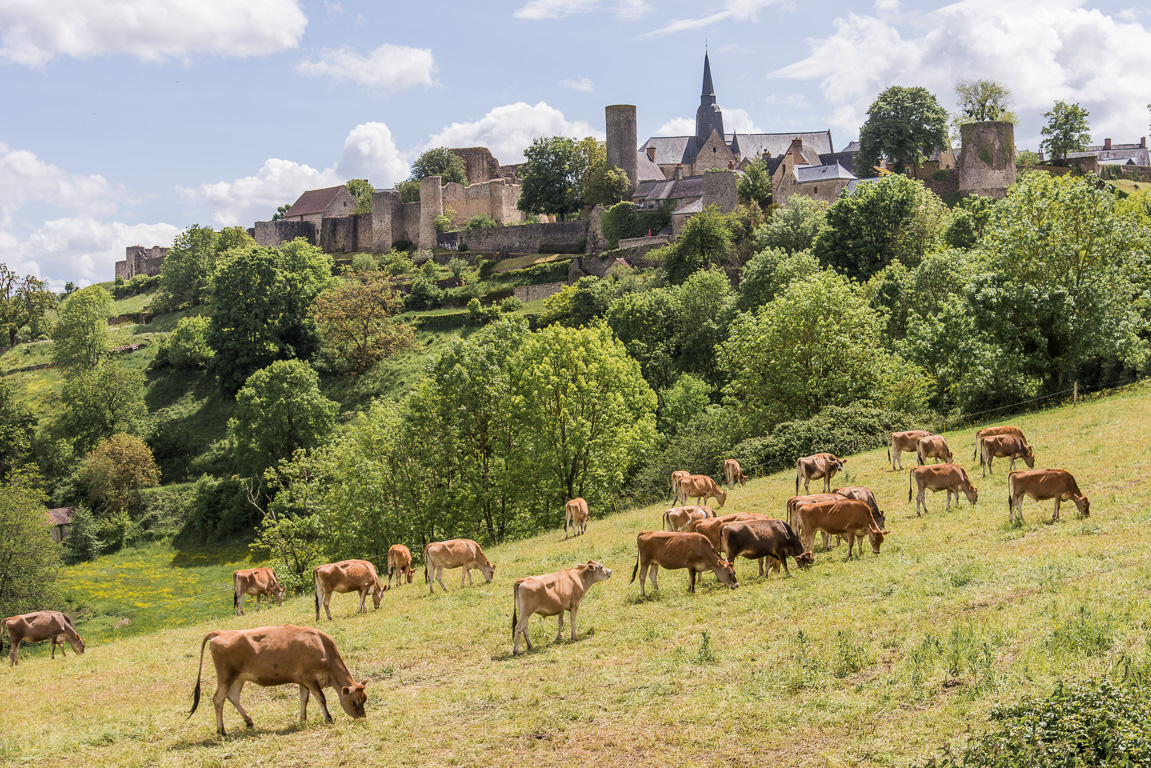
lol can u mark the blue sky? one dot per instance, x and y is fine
(125, 122)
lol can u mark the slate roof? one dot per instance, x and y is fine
(60, 515)
(815, 173)
(695, 206)
(669, 189)
(844, 157)
(670, 150)
(1118, 153)
(312, 201)
(646, 170)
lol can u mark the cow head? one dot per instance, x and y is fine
(77, 643)
(880, 518)
(352, 699)
(596, 571)
(876, 536)
(378, 593)
(408, 570)
(1083, 504)
(279, 593)
(971, 492)
(725, 572)
(1029, 457)
(721, 497)
(804, 559)
(742, 479)
(488, 570)
(839, 464)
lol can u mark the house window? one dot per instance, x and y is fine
(816, 191)
(713, 150)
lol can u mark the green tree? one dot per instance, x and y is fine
(278, 411)
(115, 472)
(968, 221)
(24, 302)
(703, 318)
(187, 345)
(793, 227)
(706, 241)
(17, 427)
(441, 162)
(101, 401)
(768, 273)
(980, 101)
(80, 338)
(354, 321)
(648, 323)
(604, 185)
(550, 177)
(280, 211)
(29, 559)
(754, 186)
(1067, 130)
(187, 268)
(683, 402)
(905, 124)
(409, 190)
(361, 189)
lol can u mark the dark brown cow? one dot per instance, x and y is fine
(1041, 485)
(346, 576)
(761, 539)
(399, 563)
(685, 518)
(287, 655)
(701, 488)
(455, 553)
(679, 550)
(260, 582)
(575, 515)
(991, 432)
(933, 447)
(1005, 447)
(821, 465)
(712, 529)
(940, 477)
(903, 442)
(38, 627)
(733, 473)
(551, 595)
(843, 517)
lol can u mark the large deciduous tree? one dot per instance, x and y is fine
(361, 189)
(101, 401)
(24, 302)
(441, 162)
(354, 321)
(754, 186)
(979, 101)
(115, 472)
(17, 426)
(794, 227)
(905, 124)
(550, 177)
(706, 241)
(81, 339)
(1067, 130)
(29, 559)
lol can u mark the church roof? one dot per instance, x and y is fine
(815, 173)
(645, 169)
(670, 150)
(708, 88)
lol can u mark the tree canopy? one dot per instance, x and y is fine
(1067, 130)
(704, 242)
(81, 339)
(29, 559)
(905, 124)
(550, 177)
(442, 162)
(24, 303)
(361, 189)
(116, 470)
(354, 321)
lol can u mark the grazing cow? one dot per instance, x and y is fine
(933, 447)
(864, 494)
(733, 473)
(346, 576)
(679, 550)
(991, 432)
(283, 655)
(399, 563)
(38, 627)
(455, 553)
(940, 477)
(1005, 447)
(685, 518)
(712, 530)
(1041, 485)
(702, 488)
(841, 517)
(760, 539)
(795, 501)
(260, 582)
(551, 595)
(903, 442)
(575, 514)
(821, 465)
(675, 478)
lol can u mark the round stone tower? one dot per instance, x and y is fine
(431, 206)
(987, 159)
(622, 144)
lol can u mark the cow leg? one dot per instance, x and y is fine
(762, 572)
(1055, 516)
(318, 692)
(948, 508)
(240, 604)
(921, 501)
(363, 600)
(327, 604)
(560, 629)
(440, 577)
(13, 652)
(304, 703)
(574, 610)
(691, 580)
(652, 574)
(218, 699)
(54, 648)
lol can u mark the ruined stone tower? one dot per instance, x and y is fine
(431, 206)
(987, 162)
(622, 141)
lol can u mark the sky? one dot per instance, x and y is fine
(123, 122)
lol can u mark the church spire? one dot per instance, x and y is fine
(708, 88)
(709, 117)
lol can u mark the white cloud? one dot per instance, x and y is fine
(370, 153)
(387, 68)
(558, 9)
(34, 33)
(734, 121)
(583, 84)
(25, 179)
(677, 126)
(509, 129)
(736, 10)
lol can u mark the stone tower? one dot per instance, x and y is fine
(987, 161)
(709, 117)
(431, 206)
(622, 142)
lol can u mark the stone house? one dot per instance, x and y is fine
(318, 204)
(1117, 154)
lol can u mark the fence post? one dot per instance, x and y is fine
(1075, 395)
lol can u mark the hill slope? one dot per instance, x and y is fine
(878, 660)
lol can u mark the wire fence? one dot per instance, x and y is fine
(1068, 396)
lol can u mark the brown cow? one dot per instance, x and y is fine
(702, 488)
(1005, 447)
(933, 447)
(795, 501)
(733, 473)
(712, 530)
(903, 442)
(399, 563)
(38, 627)
(346, 576)
(283, 655)
(575, 514)
(260, 582)
(676, 476)
(685, 518)
(551, 595)
(760, 539)
(842, 517)
(821, 465)
(679, 550)
(864, 494)
(991, 432)
(1041, 485)
(454, 553)
(940, 477)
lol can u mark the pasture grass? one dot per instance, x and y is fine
(878, 660)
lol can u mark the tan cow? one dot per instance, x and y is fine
(795, 501)
(733, 473)
(940, 477)
(1005, 447)
(864, 494)
(712, 530)
(455, 553)
(575, 515)
(676, 476)
(286, 655)
(399, 563)
(1041, 485)
(260, 582)
(841, 517)
(679, 550)
(903, 442)
(685, 518)
(346, 576)
(821, 465)
(38, 627)
(701, 488)
(551, 595)
(933, 447)
(991, 432)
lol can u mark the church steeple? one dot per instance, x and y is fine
(708, 88)
(709, 117)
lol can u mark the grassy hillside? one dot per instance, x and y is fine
(878, 660)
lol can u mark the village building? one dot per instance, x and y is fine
(1117, 154)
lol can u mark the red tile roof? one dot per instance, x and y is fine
(312, 201)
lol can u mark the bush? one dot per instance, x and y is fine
(457, 267)
(477, 315)
(165, 510)
(403, 245)
(511, 304)
(219, 511)
(420, 258)
(187, 345)
(940, 174)
(481, 221)
(137, 285)
(363, 262)
(425, 294)
(443, 223)
(485, 266)
(395, 263)
(83, 542)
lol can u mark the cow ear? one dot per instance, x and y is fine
(347, 689)
(365, 681)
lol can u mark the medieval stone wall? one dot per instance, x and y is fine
(273, 233)
(495, 198)
(987, 162)
(526, 293)
(715, 153)
(719, 188)
(347, 234)
(139, 260)
(480, 163)
(526, 238)
(622, 141)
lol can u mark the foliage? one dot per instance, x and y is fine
(968, 222)
(17, 426)
(754, 186)
(887, 220)
(102, 401)
(550, 177)
(81, 339)
(220, 511)
(361, 189)
(83, 542)
(354, 321)
(441, 162)
(187, 345)
(363, 262)
(1025, 158)
(409, 190)
(900, 293)
(196, 254)
(705, 241)
(905, 124)
(703, 318)
(279, 411)
(116, 470)
(794, 227)
(619, 222)
(443, 223)
(980, 101)
(769, 272)
(647, 323)
(457, 267)
(682, 402)
(1067, 130)
(29, 559)
(280, 211)
(425, 294)
(604, 185)
(395, 263)
(24, 302)
(481, 221)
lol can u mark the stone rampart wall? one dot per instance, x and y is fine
(347, 234)
(526, 293)
(273, 233)
(526, 238)
(494, 198)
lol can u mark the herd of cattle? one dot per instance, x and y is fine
(693, 537)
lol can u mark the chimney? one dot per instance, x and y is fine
(679, 170)
(1107, 143)
(651, 154)
(796, 149)
(731, 165)
(1143, 142)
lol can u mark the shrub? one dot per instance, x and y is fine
(187, 345)
(481, 221)
(420, 258)
(83, 542)
(425, 294)
(457, 267)
(219, 511)
(477, 315)
(940, 174)
(395, 263)
(443, 223)
(363, 262)
(486, 267)
(511, 304)
(115, 472)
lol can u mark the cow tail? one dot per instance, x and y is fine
(235, 592)
(3, 627)
(426, 579)
(890, 440)
(910, 475)
(515, 608)
(316, 585)
(199, 672)
(797, 477)
(1010, 489)
(635, 570)
(666, 523)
